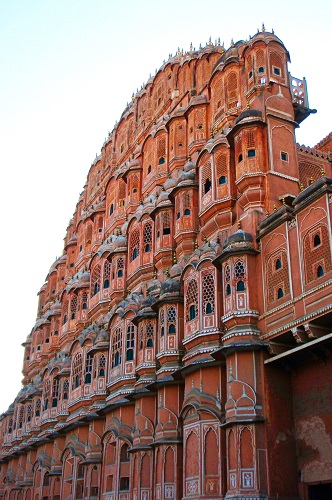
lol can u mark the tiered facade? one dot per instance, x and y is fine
(183, 343)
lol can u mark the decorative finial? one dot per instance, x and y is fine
(196, 244)
(210, 42)
(200, 46)
(301, 186)
(239, 224)
(232, 43)
(272, 31)
(189, 157)
(311, 180)
(263, 28)
(218, 41)
(248, 105)
(174, 257)
(267, 213)
(322, 172)
(283, 201)
(167, 272)
(274, 207)
(154, 274)
(191, 47)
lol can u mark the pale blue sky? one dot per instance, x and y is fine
(68, 67)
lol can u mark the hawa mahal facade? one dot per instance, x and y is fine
(182, 348)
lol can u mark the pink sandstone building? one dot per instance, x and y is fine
(182, 348)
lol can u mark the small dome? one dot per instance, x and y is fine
(175, 271)
(190, 165)
(170, 286)
(170, 183)
(249, 113)
(186, 176)
(238, 240)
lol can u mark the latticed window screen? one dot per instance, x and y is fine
(21, 417)
(149, 334)
(161, 147)
(120, 267)
(309, 173)
(65, 389)
(316, 255)
(29, 412)
(89, 233)
(84, 300)
(227, 274)
(277, 274)
(186, 201)
(250, 139)
(206, 178)
(130, 342)
(239, 269)
(147, 236)
(221, 168)
(101, 365)
(37, 407)
(88, 368)
(276, 61)
(208, 293)
(116, 347)
(134, 245)
(218, 93)
(77, 371)
(166, 222)
(192, 300)
(107, 273)
(95, 280)
(171, 319)
(65, 304)
(122, 190)
(55, 392)
(73, 306)
(260, 59)
(232, 90)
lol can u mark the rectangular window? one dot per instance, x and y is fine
(276, 71)
(284, 156)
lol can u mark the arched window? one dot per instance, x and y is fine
(47, 390)
(186, 211)
(73, 306)
(55, 392)
(228, 289)
(320, 272)
(192, 312)
(240, 286)
(84, 301)
(120, 267)
(130, 342)
(192, 300)
(116, 347)
(147, 236)
(37, 407)
(149, 334)
(166, 219)
(222, 180)
(88, 369)
(77, 371)
(134, 245)
(207, 186)
(317, 241)
(171, 319)
(107, 273)
(240, 158)
(112, 209)
(124, 456)
(101, 365)
(95, 280)
(278, 264)
(65, 389)
(280, 293)
(208, 293)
